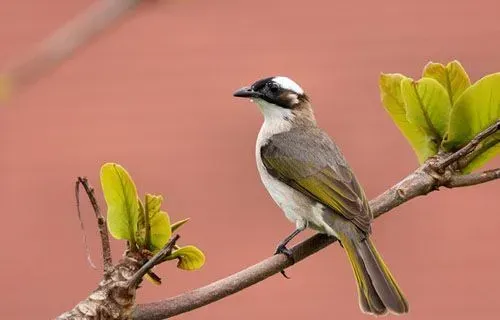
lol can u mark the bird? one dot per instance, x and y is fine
(309, 178)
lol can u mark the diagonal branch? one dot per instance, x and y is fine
(427, 178)
(231, 284)
(468, 148)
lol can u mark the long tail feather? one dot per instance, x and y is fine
(369, 300)
(378, 291)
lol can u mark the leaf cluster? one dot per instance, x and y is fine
(144, 224)
(443, 111)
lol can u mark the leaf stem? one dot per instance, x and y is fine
(157, 258)
(147, 240)
(468, 148)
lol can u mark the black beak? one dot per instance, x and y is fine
(247, 92)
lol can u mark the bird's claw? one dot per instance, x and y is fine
(283, 273)
(282, 249)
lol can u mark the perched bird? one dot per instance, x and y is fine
(310, 180)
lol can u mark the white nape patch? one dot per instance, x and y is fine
(287, 83)
(294, 98)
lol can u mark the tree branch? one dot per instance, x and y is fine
(82, 226)
(416, 184)
(427, 178)
(230, 285)
(101, 223)
(156, 259)
(468, 148)
(473, 178)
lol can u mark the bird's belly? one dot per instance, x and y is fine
(294, 204)
(285, 197)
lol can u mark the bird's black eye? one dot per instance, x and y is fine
(273, 87)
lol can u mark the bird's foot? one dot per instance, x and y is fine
(282, 249)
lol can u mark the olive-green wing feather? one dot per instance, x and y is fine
(309, 161)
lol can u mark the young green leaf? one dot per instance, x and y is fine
(159, 224)
(476, 109)
(190, 258)
(120, 194)
(179, 224)
(140, 234)
(160, 230)
(152, 207)
(427, 106)
(153, 202)
(392, 99)
(452, 77)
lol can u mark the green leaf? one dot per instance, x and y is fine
(179, 224)
(159, 224)
(190, 258)
(452, 77)
(140, 234)
(427, 106)
(476, 109)
(153, 203)
(120, 194)
(152, 206)
(392, 99)
(160, 230)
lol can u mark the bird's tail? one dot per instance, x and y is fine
(378, 291)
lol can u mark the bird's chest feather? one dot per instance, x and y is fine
(288, 199)
(293, 203)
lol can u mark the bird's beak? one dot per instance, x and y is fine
(246, 92)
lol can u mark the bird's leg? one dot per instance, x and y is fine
(281, 248)
(301, 225)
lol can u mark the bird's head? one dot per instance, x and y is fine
(278, 97)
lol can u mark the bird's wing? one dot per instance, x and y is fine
(307, 160)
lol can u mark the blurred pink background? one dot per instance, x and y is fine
(154, 93)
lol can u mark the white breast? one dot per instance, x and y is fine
(292, 202)
(282, 194)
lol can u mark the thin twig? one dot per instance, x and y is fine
(101, 224)
(421, 182)
(443, 164)
(473, 178)
(156, 259)
(82, 227)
